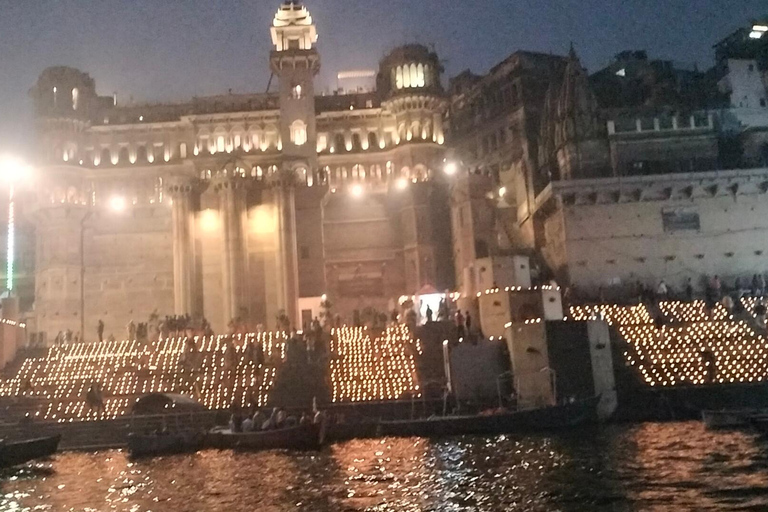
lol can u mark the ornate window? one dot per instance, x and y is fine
(298, 132)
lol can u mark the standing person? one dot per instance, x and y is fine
(760, 284)
(717, 288)
(131, 328)
(469, 323)
(689, 290)
(662, 291)
(460, 324)
(429, 314)
(100, 329)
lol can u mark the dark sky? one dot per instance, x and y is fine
(174, 49)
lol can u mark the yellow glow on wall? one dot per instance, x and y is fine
(209, 221)
(262, 220)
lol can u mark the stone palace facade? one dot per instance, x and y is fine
(240, 205)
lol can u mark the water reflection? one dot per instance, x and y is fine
(677, 466)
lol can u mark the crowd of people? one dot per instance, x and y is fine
(256, 420)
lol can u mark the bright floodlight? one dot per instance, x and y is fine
(401, 184)
(450, 168)
(756, 34)
(502, 191)
(117, 204)
(760, 28)
(356, 190)
(13, 169)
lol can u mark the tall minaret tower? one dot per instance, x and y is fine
(295, 61)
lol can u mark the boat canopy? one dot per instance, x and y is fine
(162, 403)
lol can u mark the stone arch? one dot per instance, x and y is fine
(357, 144)
(426, 130)
(415, 129)
(141, 154)
(373, 140)
(123, 155)
(339, 143)
(106, 156)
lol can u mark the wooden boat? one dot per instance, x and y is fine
(150, 445)
(546, 418)
(760, 423)
(302, 438)
(733, 418)
(18, 452)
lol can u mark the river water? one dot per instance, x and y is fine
(670, 466)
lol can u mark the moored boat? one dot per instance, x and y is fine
(301, 438)
(733, 418)
(150, 445)
(760, 423)
(18, 452)
(546, 418)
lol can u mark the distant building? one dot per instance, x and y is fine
(616, 177)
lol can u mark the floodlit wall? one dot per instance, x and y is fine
(614, 232)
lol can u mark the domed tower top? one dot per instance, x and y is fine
(64, 92)
(409, 68)
(292, 28)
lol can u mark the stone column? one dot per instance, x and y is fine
(232, 208)
(181, 188)
(288, 264)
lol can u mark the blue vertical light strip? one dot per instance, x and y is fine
(11, 241)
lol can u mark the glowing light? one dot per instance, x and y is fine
(450, 168)
(209, 220)
(357, 190)
(11, 241)
(401, 184)
(12, 171)
(502, 191)
(117, 204)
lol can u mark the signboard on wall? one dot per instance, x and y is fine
(680, 219)
(361, 286)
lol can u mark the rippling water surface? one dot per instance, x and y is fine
(673, 466)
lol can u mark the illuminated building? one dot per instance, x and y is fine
(240, 205)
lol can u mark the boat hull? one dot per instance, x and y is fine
(301, 438)
(140, 445)
(19, 452)
(547, 418)
(729, 419)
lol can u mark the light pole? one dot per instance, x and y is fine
(12, 171)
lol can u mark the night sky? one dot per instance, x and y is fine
(174, 49)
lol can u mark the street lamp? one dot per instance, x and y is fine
(450, 168)
(12, 171)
